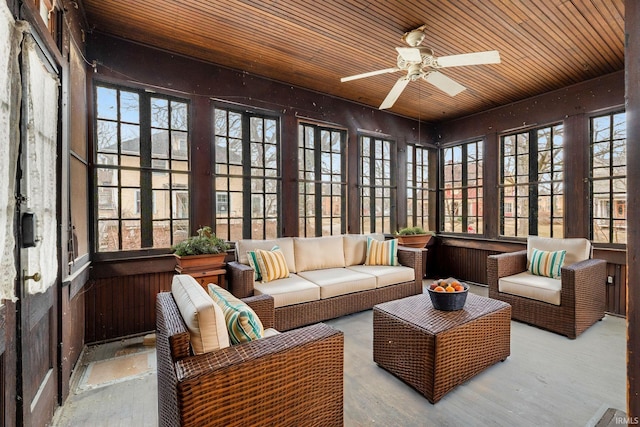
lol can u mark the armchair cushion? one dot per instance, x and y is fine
(531, 286)
(545, 263)
(243, 325)
(578, 249)
(204, 318)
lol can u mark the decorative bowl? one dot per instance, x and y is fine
(449, 301)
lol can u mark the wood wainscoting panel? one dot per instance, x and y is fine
(121, 306)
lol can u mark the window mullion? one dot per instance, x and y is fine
(533, 183)
(146, 193)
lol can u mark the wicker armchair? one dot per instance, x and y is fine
(582, 293)
(293, 378)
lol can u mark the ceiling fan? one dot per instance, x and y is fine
(420, 63)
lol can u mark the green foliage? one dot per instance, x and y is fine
(408, 231)
(205, 242)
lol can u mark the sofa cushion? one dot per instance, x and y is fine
(242, 322)
(386, 275)
(316, 253)
(339, 281)
(203, 317)
(285, 243)
(545, 263)
(578, 249)
(381, 253)
(292, 290)
(355, 247)
(272, 264)
(528, 285)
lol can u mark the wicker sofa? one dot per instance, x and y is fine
(290, 378)
(328, 278)
(567, 305)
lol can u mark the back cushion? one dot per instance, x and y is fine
(578, 249)
(203, 317)
(284, 243)
(355, 247)
(315, 253)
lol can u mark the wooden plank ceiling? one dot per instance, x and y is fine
(544, 44)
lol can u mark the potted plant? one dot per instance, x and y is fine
(201, 252)
(414, 237)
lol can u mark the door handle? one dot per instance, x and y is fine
(35, 277)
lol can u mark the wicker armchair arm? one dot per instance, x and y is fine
(411, 257)
(279, 380)
(263, 306)
(583, 278)
(503, 265)
(240, 277)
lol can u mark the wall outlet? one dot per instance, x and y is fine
(610, 280)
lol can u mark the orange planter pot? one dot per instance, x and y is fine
(415, 240)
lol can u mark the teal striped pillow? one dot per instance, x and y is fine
(242, 322)
(381, 253)
(544, 263)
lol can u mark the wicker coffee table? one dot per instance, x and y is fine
(433, 350)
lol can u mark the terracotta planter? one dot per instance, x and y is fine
(414, 240)
(199, 263)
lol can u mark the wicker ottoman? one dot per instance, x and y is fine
(433, 350)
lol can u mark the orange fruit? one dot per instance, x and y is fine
(459, 288)
(439, 289)
(450, 289)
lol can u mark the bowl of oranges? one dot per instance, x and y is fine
(448, 294)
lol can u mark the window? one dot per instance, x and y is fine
(247, 180)
(377, 185)
(461, 190)
(222, 203)
(322, 183)
(141, 165)
(531, 173)
(608, 178)
(417, 187)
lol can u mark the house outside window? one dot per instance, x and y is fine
(417, 186)
(322, 180)
(608, 178)
(247, 172)
(461, 190)
(377, 185)
(531, 183)
(141, 160)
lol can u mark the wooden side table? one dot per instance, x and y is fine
(206, 277)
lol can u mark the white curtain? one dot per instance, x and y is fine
(10, 91)
(41, 97)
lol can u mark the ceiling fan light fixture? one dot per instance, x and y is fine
(414, 37)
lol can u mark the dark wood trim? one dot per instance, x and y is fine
(77, 280)
(132, 266)
(632, 82)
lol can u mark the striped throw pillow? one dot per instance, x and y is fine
(253, 262)
(381, 253)
(545, 263)
(242, 322)
(272, 265)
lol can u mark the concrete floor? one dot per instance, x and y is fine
(548, 380)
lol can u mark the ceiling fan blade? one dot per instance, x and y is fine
(410, 54)
(476, 58)
(444, 83)
(395, 92)
(369, 74)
